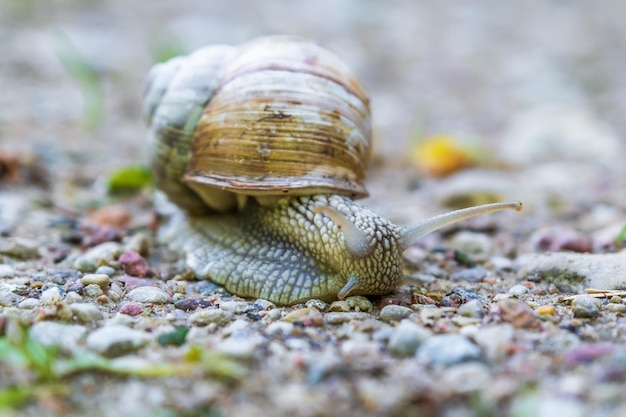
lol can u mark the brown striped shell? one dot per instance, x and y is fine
(275, 116)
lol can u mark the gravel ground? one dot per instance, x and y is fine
(512, 314)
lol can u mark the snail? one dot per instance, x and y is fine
(264, 147)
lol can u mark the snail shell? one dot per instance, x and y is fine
(278, 115)
(264, 146)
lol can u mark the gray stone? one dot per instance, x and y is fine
(495, 340)
(447, 349)
(319, 305)
(406, 338)
(392, 312)
(101, 280)
(8, 298)
(99, 255)
(50, 333)
(616, 308)
(237, 307)
(518, 290)
(360, 303)
(279, 328)
(340, 318)
(212, 315)
(19, 248)
(92, 290)
(573, 272)
(339, 306)
(73, 297)
(152, 295)
(50, 296)
(586, 307)
(106, 270)
(85, 312)
(477, 245)
(473, 309)
(116, 340)
(29, 303)
(6, 270)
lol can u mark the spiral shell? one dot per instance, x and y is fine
(277, 115)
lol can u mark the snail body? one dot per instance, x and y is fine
(263, 147)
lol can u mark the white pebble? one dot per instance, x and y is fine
(50, 296)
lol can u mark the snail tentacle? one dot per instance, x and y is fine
(411, 234)
(357, 242)
(352, 284)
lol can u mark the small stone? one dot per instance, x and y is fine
(101, 280)
(472, 308)
(616, 308)
(139, 243)
(6, 270)
(616, 299)
(467, 377)
(116, 340)
(339, 306)
(50, 296)
(106, 270)
(265, 304)
(242, 347)
(50, 333)
(319, 305)
(495, 340)
(237, 307)
(447, 349)
(92, 290)
(73, 297)
(187, 304)
(279, 328)
(475, 274)
(345, 317)
(131, 309)
(586, 307)
(518, 290)
(391, 313)
(20, 248)
(360, 303)
(28, 303)
(152, 295)
(133, 264)
(406, 337)
(305, 316)
(518, 314)
(99, 255)
(212, 315)
(477, 245)
(547, 310)
(8, 299)
(85, 312)
(274, 314)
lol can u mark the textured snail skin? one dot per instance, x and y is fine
(286, 253)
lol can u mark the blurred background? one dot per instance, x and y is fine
(528, 82)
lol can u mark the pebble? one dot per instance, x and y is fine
(472, 308)
(340, 318)
(360, 303)
(50, 333)
(104, 253)
(443, 350)
(131, 309)
(92, 290)
(279, 328)
(268, 305)
(101, 280)
(518, 314)
(391, 313)
(475, 274)
(152, 295)
(50, 296)
(572, 272)
(20, 248)
(85, 312)
(28, 303)
(6, 270)
(241, 347)
(467, 377)
(477, 245)
(547, 310)
(73, 297)
(339, 306)
(616, 308)
(495, 340)
(8, 299)
(116, 340)
(237, 307)
(133, 264)
(406, 337)
(138, 243)
(211, 315)
(586, 307)
(518, 290)
(106, 270)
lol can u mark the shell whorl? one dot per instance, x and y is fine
(277, 115)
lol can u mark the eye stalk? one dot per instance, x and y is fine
(411, 234)
(357, 242)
